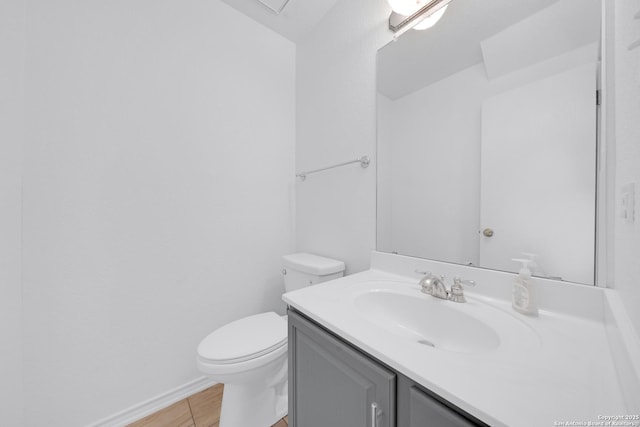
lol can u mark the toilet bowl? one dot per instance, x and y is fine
(249, 355)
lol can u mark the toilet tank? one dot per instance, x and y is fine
(303, 269)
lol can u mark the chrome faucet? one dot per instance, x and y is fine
(435, 286)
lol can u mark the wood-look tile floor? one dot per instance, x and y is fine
(200, 410)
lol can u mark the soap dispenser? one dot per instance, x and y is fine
(524, 295)
(534, 267)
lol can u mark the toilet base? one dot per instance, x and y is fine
(255, 388)
(249, 406)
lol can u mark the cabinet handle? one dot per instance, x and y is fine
(374, 414)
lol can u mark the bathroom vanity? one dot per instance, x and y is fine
(330, 380)
(371, 349)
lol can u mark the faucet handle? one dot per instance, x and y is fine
(457, 280)
(457, 293)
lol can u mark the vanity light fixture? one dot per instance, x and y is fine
(417, 14)
(430, 20)
(406, 7)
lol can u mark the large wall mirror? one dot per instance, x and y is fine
(487, 137)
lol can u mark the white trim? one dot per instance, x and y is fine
(624, 342)
(601, 159)
(605, 156)
(607, 153)
(148, 407)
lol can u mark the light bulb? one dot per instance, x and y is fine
(406, 7)
(430, 20)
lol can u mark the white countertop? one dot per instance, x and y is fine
(566, 374)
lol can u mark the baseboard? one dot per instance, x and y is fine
(154, 404)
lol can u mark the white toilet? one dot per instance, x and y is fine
(249, 355)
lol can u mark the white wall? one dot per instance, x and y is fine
(156, 194)
(12, 22)
(627, 130)
(336, 122)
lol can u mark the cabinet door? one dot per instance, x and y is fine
(417, 408)
(333, 385)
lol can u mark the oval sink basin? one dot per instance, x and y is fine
(426, 320)
(471, 327)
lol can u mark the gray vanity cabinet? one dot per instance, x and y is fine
(420, 408)
(332, 384)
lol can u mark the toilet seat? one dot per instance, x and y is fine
(244, 340)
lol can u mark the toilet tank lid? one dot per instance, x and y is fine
(312, 264)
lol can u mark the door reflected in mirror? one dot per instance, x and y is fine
(487, 137)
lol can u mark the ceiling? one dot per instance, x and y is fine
(297, 18)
